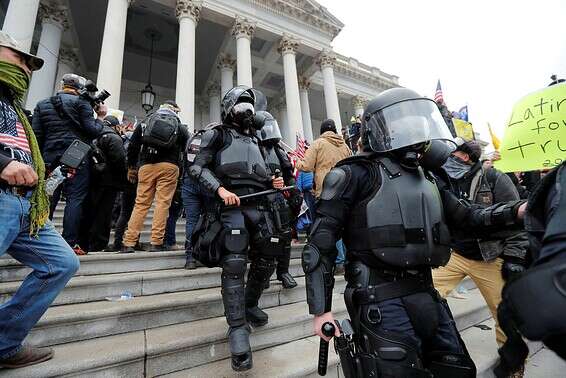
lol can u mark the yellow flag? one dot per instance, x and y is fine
(463, 129)
(494, 139)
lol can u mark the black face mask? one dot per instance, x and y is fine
(435, 155)
(408, 157)
(243, 115)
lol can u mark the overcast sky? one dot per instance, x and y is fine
(487, 54)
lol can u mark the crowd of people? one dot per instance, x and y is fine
(402, 206)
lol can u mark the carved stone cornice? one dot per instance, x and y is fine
(304, 83)
(226, 61)
(306, 12)
(288, 45)
(369, 78)
(359, 102)
(213, 90)
(243, 28)
(55, 14)
(188, 8)
(326, 58)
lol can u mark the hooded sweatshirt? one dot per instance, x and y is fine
(322, 156)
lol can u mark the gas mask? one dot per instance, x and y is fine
(435, 155)
(243, 115)
(408, 157)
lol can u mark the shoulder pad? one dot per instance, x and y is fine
(335, 183)
(208, 138)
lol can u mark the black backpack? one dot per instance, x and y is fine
(161, 131)
(97, 155)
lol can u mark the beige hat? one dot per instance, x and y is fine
(34, 62)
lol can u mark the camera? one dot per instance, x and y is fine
(89, 93)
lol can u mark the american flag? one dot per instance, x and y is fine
(302, 145)
(12, 133)
(438, 97)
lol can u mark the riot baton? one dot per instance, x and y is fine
(328, 330)
(266, 192)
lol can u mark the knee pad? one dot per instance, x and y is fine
(451, 365)
(261, 269)
(235, 240)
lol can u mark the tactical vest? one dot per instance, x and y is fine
(402, 223)
(272, 160)
(240, 162)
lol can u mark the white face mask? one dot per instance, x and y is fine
(243, 107)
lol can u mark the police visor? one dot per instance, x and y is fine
(405, 123)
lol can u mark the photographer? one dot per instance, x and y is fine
(57, 121)
(25, 232)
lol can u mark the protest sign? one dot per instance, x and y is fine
(535, 137)
(463, 129)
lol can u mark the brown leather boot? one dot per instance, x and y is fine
(26, 356)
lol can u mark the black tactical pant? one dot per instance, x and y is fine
(244, 227)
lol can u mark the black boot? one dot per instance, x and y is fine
(287, 280)
(239, 338)
(256, 317)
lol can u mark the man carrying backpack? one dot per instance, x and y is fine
(155, 148)
(488, 259)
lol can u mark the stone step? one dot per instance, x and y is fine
(545, 364)
(483, 348)
(82, 289)
(63, 324)
(179, 227)
(97, 263)
(167, 349)
(295, 359)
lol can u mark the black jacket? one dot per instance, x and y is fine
(112, 147)
(491, 187)
(137, 156)
(55, 132)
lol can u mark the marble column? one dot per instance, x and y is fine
(188, 13)
(20, 21)
(304, 86)
(326, 61)
(214, 102)
(243, 31)
(68, 63)
(226, 66)
(203, 109)
(359, 103)
(112, 52)
(283, 121)
(288, 48)
(54, 21)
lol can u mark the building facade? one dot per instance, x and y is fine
(193, 51)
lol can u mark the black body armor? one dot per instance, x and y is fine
(272, 160)
(402, 223)
(240, 163)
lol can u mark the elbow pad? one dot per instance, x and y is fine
(319, 276)
(205, 177)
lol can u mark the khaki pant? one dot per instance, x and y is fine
(154, 180)
(486, 275)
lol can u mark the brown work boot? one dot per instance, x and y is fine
(26, 356)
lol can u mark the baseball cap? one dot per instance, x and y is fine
(34, 62)
(470, 147)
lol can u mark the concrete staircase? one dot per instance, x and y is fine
(174, 325)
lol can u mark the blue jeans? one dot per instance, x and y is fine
(193, 202)
(76, 190)
(53, 263)
(341, 258)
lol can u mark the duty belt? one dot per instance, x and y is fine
(389, 290)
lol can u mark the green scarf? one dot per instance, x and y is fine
(17, 81)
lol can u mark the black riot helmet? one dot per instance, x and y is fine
(260, 100)
(399, 118)
(237, 95)
(270, 132)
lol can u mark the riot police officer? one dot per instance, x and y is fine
(230, 164)
(386, 206)
(279, 164)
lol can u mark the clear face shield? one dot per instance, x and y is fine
(270, 131)
(404, 124)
